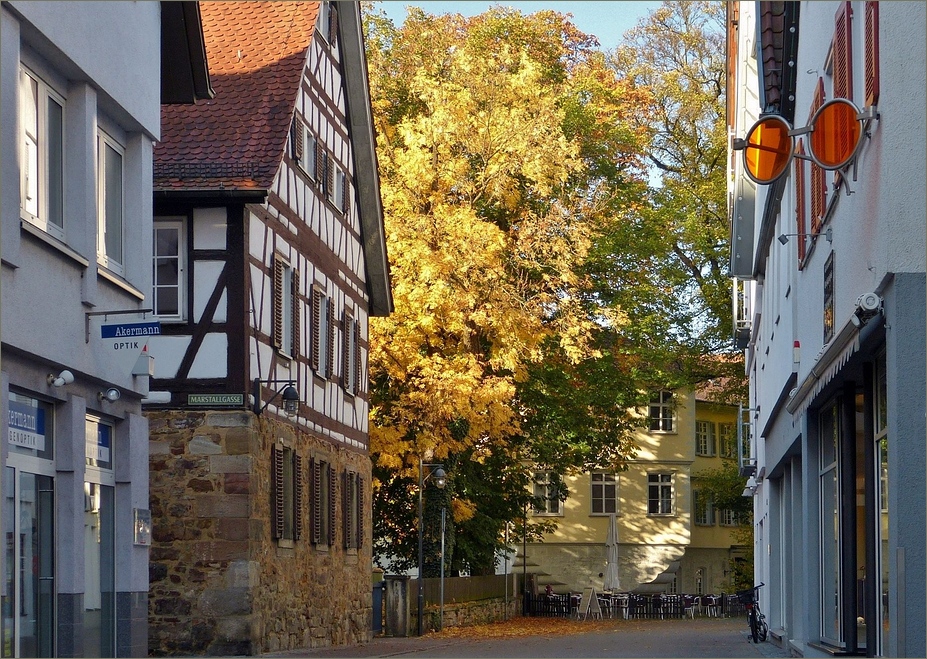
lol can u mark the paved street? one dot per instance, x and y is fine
(705, 637)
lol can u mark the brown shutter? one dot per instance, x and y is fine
(331, 504)
(346, 196)
(332, 24)
(357, 357)
(298, 132)
(360, 511)
(872, 53)
(843, 52)
(818, 179)
(315, 329)
(330, 177)
(346, 508)
(277, 484)
(319, 162)
(297, 496)
(330, 353)
(346, 329)
(800, 204)
(278, 303)
(315, 469)
(296, 311)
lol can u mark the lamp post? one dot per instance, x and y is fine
(440, 477)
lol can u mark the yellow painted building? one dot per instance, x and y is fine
(670, 539)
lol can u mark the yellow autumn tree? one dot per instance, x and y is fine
(486, 225)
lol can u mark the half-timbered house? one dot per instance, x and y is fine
(269, 258)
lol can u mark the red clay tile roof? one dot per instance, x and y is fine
(256, 52)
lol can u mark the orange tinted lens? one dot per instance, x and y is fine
(769, 147)
(836, 134)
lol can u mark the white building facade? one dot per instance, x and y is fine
(80, 114)
(829, 298)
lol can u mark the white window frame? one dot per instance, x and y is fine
(702, 516)
(657, 493)
(341, 180)
(727, 440)
(705, 438)
(546, 489)
(727, 517)
(35, 164)
(308, 156)
(116, 263)
(179, 226)
(288, 302)
(600, 483)
(663, 402)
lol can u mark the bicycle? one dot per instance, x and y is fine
(759, 630)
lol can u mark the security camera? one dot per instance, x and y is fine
(63, 378)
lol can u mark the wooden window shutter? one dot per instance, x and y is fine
(843, 52)
(319, 162)
(295, 313)
(800, 204)
(360, 511)
(346, 507)
(818, 175)
(332, 24)
(332, 478)
(346, 370)
(345, 195)
(872, 53)
(330, 177)
(298, 132)
(297, 496)
(330, 356)
(315, 469)
(277, 485)
(316, 320)
(357, 357)
(277, 332)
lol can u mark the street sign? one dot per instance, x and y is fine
(217, 400)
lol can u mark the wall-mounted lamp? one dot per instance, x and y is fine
(63, 378)
(829, 235)
(112, 395)
(288, 392)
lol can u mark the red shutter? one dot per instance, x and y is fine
(278, 303)
(315, 469)
(818, 179)
(315, 329)
(331, 504)
(277, 484)
(296, 308)
(800, 226)
(843, 52)
(872, 53)
(297, 496)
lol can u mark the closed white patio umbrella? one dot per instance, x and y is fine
(610, 581)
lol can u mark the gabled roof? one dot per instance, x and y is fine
(235, 142)
(256, 52)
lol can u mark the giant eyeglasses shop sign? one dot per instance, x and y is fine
(127, 344)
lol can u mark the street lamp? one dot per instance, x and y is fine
(288, 393)
(440, 478)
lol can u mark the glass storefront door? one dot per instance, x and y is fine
(28, 599)
(99, 541)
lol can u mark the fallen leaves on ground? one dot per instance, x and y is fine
(521, 626)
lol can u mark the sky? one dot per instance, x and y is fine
(606, 20)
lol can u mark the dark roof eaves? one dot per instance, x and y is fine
(363, 139)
